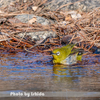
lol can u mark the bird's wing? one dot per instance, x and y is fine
(79, 51)
(69, 46)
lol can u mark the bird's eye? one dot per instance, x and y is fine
(80, 53)
(58, 53)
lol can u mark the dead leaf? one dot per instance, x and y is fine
(35, 8)
(31, 21)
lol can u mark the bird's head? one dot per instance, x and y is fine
(56, 53)
(59, 53)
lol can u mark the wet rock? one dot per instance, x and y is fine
(25, 18)
(38, 36)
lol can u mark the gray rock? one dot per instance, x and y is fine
(40, 35)
(42, 21)
(26, 17)
(83, 5)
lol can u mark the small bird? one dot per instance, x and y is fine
(67, 55)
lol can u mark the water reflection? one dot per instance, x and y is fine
(77, 77)
(36, 73)
(63, 73)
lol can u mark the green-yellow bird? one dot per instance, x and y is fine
(67, 55)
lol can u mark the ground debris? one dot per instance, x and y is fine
(21, 19)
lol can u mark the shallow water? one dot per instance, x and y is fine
(35, 72)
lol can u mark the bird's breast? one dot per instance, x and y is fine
(71, 59)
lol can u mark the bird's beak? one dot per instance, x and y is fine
(52, 53)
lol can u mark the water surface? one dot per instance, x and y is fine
(35, 72)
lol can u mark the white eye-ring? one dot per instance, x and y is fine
(58, 53)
